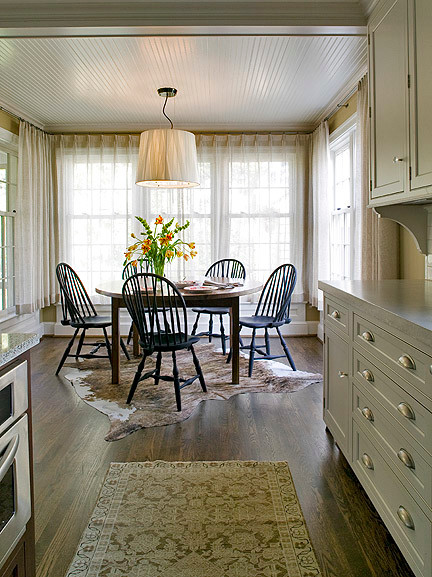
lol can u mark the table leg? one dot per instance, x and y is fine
(115, 309)
(136, 348)
(234, 341)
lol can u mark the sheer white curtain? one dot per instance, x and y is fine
(37, 235)
(97, 197)
(376, 245)
(250, 204)
(319, 214)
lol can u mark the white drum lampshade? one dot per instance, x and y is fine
(167, 159)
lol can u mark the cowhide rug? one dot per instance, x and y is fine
(153, 406)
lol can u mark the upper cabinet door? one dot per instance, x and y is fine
(420, 16)
(389, 101)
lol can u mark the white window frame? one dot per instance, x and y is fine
(9, 145)
(343, 137)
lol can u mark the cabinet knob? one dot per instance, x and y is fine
(397, 159)
(367, 413)
(368, 336)
(367, 461)
(368, 375)
(405, 517)
(335, 314)
(406, 410)
(406, 459)
(342, 374)
(407, 362)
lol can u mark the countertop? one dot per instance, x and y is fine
(13, 344)
(406, 305)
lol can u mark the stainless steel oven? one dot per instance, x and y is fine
(15, 496)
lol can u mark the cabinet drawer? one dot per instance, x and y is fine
(336, 315)
(405, 455)
(408, 524)
(408, 413)
(410, 363)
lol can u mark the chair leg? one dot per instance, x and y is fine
(286, 350)
(252, 353)
(230, 351)
(198, 369)
(158, 367)
(130, 335)
(194, 330)
(176, 381)
(267, 342)
(124, 349)
(80, 344)
(136, 379)
(222, 333)
(210, 328)
(108, 344)
(67, 351)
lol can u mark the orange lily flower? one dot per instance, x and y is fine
(159, 220)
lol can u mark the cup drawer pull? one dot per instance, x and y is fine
(406, 411)
(368, 336)
(368, 375)
(367, 413)
(406, 459)
(367, 461)
(405, 517)
(335, 315)
(407, 362)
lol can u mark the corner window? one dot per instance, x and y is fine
(8, 184)
(342, 155)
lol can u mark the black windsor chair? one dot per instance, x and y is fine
(80, 313)
(272, 312)
(228, 268)
(162, 327)
(129, 270)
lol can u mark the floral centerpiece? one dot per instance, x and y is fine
(159, 245)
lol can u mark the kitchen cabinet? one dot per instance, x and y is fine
(378, 400)
(400, 53)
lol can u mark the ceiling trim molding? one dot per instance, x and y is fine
(71, 17)
(124, 128)
(8, 108)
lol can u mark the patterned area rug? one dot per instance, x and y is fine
(155, 405)
(200, 519)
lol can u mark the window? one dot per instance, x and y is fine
(244, 207)
(341, 222)
(8, 183)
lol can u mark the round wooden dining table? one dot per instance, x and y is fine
(218, 298)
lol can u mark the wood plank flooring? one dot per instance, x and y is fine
(71, 459)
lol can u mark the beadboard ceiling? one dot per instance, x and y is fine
(224, 83)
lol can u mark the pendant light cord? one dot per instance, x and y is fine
(163, 112)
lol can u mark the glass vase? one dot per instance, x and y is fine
(159, 267)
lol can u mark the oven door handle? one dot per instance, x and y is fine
(9, 456)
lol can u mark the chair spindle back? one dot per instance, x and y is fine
(130, 269)
(227, 267)
(75, 301)
(275, 299)
(160, 321)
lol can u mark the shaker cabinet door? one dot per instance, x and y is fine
(420, 18)
(389, 101)
(337, 410)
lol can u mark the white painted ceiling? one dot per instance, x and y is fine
(224, 83)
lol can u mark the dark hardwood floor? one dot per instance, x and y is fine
(71, 459)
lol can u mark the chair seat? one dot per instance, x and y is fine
(170, 345)
(212, 310)
(95, 322)
(261, 322)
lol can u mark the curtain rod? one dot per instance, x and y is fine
(342, 104)
(20, 118)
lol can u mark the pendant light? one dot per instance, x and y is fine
(167, 157)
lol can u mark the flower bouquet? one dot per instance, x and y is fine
(159, 245)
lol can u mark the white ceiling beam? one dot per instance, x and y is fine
(23, 19)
